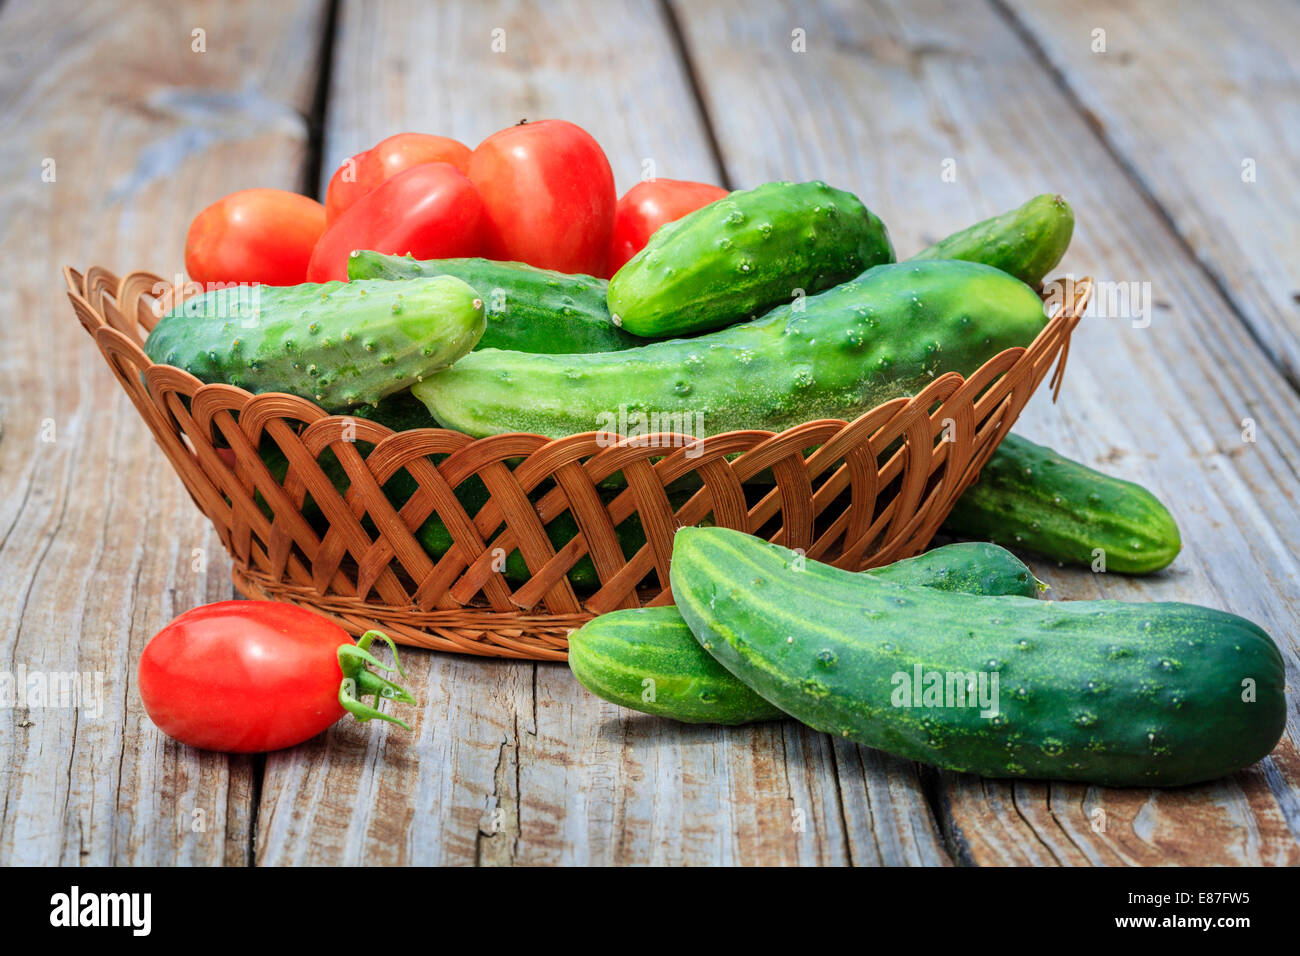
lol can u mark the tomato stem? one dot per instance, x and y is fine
(359, 681)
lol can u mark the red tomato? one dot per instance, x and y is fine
(431, 211)
(364, 171)
(251, 676)
(647, 206)
(549, 195)
(254, 235)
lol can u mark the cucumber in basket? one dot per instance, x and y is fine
(885, 334)
(527, 309)
(646, 658)
(1027, 242)
(1031, 498)
(1106, 692)
(741, 255)
(340, 344)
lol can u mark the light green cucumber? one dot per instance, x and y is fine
(885, 334)
(743, 254)
(1104, 692)
(646, 658)
(1028, 242)
(340, 344)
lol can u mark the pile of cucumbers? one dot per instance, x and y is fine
(767, 308)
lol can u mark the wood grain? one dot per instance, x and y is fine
(99, 543)
(1200, 101)
(886, 97)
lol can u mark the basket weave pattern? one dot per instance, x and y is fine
(856, 495)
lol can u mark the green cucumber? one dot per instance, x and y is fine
(743, 254)
(527, 309)
(1031, 498)
(835, 355)
(340, 344)
(1120, 694)
(1027, 242)
(646, 658)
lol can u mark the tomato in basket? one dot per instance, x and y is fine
(253, 676)
(365, 171)
(647, 206)
(254, 235)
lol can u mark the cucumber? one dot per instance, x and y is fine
(1103, 692)
(741, 255)
(527, 309)
(1031, 498)
(885, 334)
(646, 658)
(340, 344)
(1027, 242)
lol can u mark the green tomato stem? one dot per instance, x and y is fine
(359, 681)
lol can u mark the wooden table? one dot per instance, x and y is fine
(1174, 129)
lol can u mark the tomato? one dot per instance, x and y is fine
(431, 211)
(549, 196)
(255, 235)
(364, 171)
(647, 206)
(252, 676)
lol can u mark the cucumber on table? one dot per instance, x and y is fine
(527, 309)
(1032, 498)
(838, 354)
(340, 344)
(1026, 242)
(741, 255)
(646, 659)
(1104, 692)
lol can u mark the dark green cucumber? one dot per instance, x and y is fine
(646, 658)
(340, 344)
(1120, 694)
(1031, 498)
(1027, 242)
(527, 309)
(836, 355)
(741, 255)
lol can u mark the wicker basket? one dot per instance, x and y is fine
(855, 495)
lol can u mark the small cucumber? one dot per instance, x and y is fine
(646, 658)
(1031, 498)
(1027, 242)
(741, 255)
(885, 334)
(1105, 692)
(527, 309)
(340, 344)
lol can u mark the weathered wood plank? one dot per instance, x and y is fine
(99, 543)
(887, 98)
(516, 763)
(1201, 101)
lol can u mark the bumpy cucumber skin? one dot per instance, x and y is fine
(340, 344)
(885, 334)
(1096, 691)
(614, 654)
(527, 309)
(741, 255)
(1028, 242)
(1031, 498)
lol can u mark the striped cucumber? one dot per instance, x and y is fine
(527, 309)
(835, 355)
(1106, 692)
(740, 256)
(646, 658)
(1031, 498)
(341, 344)
(1027, 242)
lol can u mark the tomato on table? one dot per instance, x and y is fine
(647, 206)
(254, 235)
(548, 193)
(253, 676)
(366, 170)
(431, 211)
